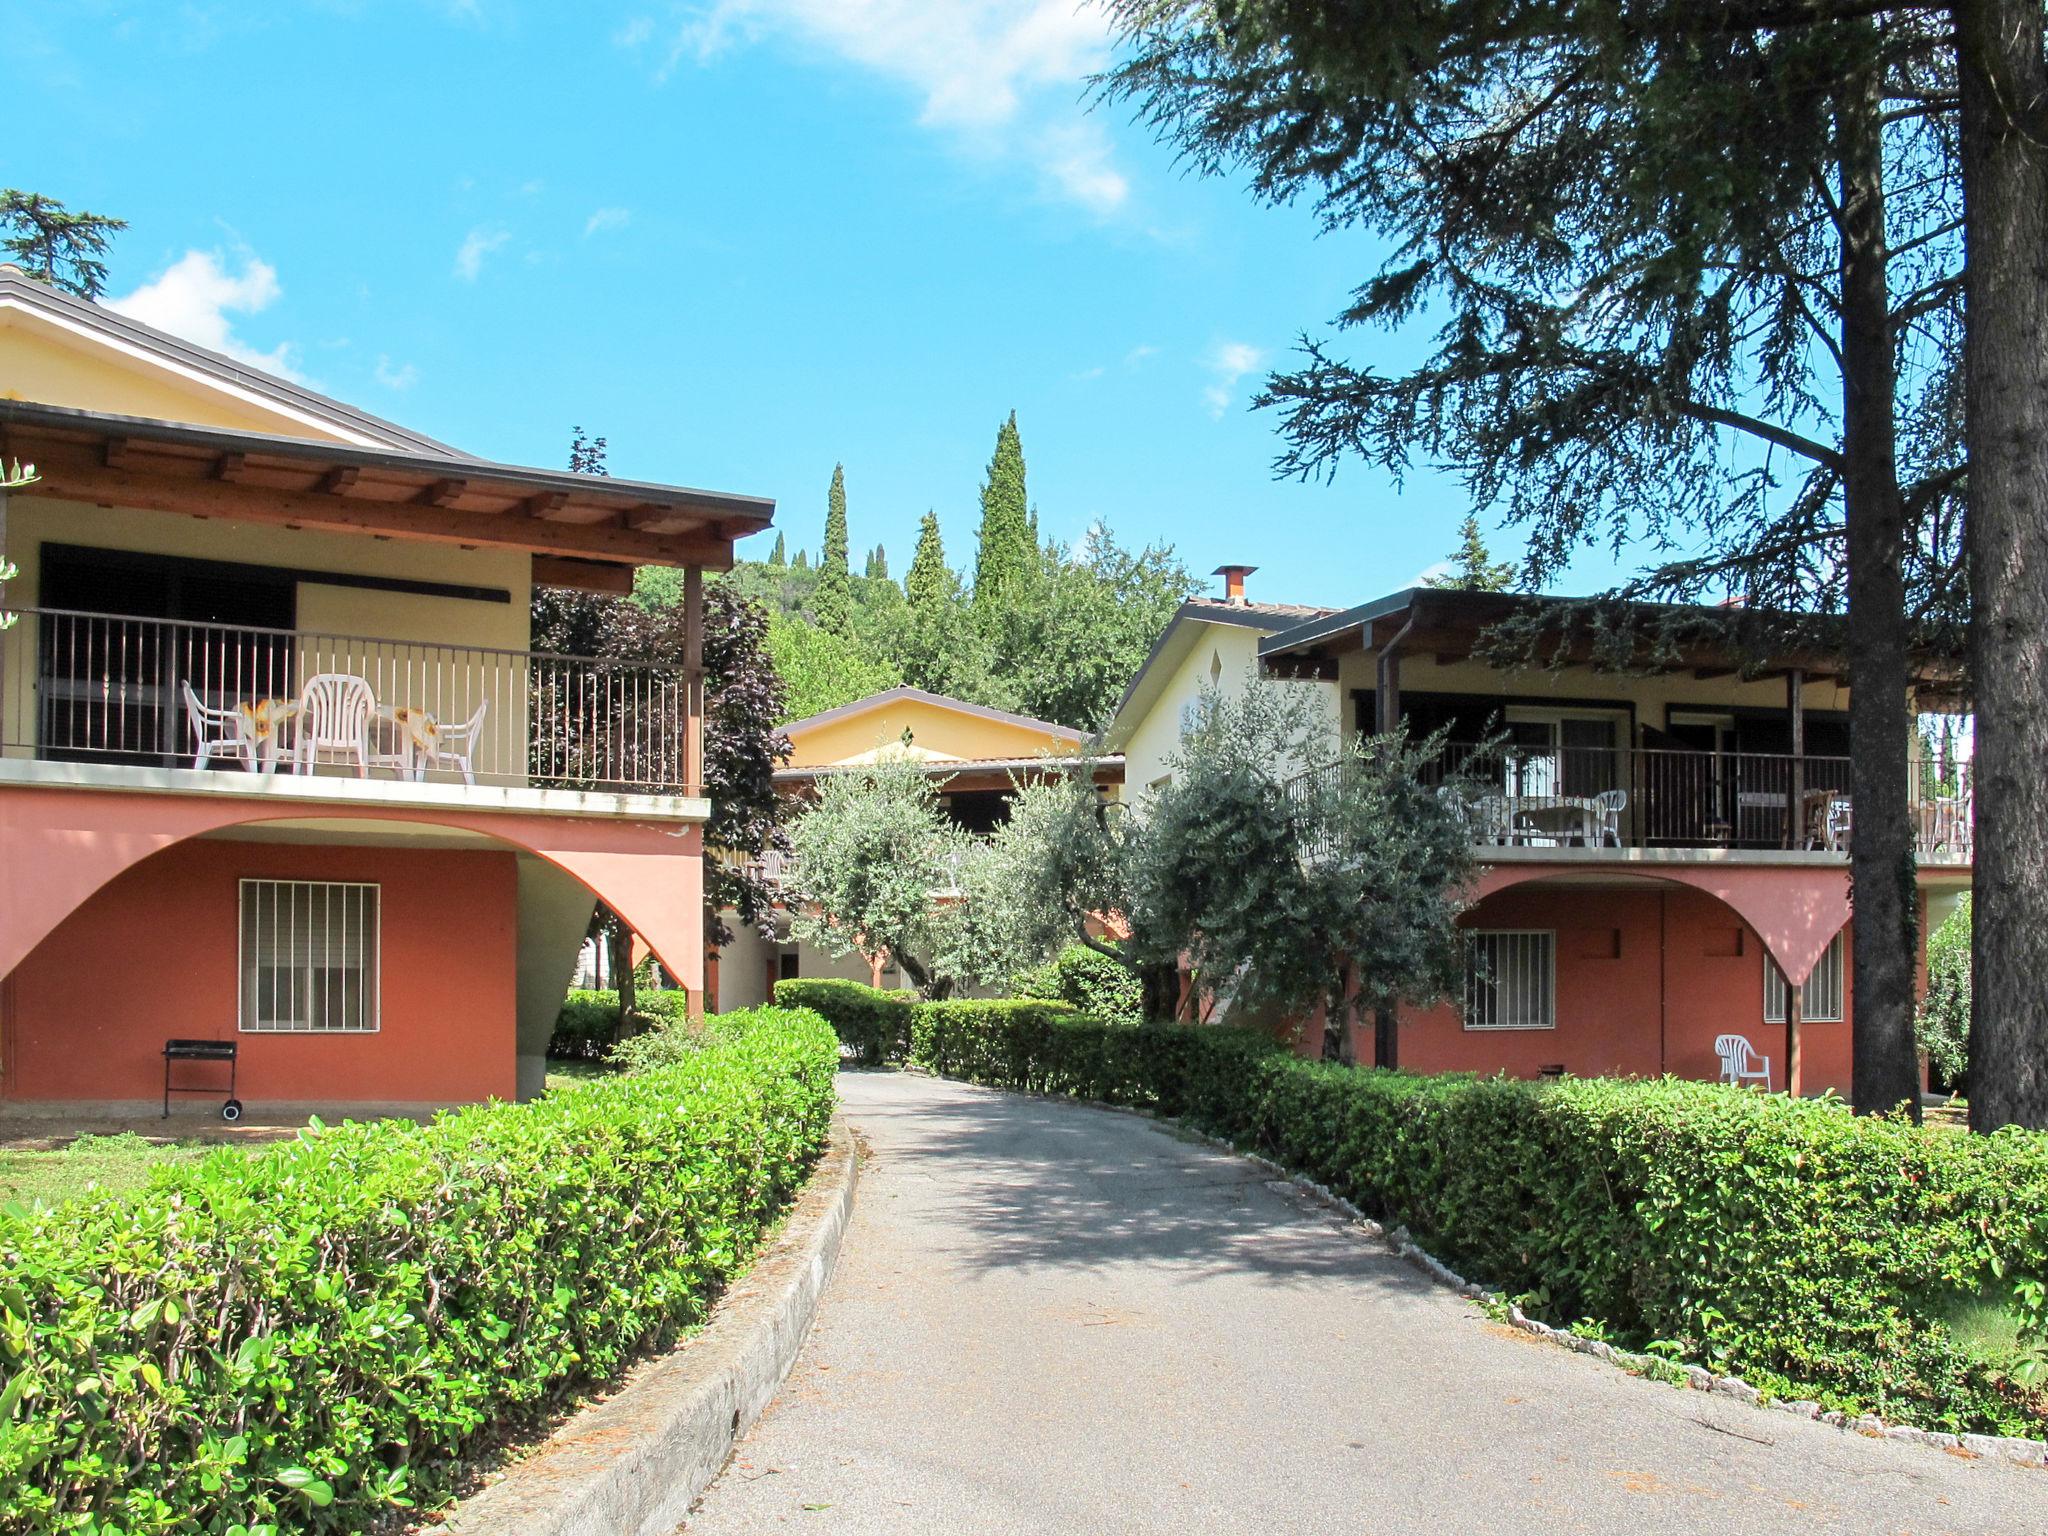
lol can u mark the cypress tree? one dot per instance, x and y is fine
(779, 555)
(926, 585)
(835, 523)
(878, 564)
(802, 562)
(832, 602)
(1004, 558)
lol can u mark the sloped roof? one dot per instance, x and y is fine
(132, 337)
(907, 694)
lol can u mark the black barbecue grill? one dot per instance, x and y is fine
(201, 1050)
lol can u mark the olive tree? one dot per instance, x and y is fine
(1292, 869)
(876, 870)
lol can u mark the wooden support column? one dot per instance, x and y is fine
(1792, 1022)
(693, 680)
(1795, 790)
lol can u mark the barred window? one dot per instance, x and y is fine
(1511, 979)
(309, 957)
(1820, 1000)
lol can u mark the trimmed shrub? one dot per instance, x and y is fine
(1090, 981)
(1851, 1259)
(872, 1023)
(311, 1338)
(587, 1027)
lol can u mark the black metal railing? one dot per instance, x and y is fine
(1616, 797)
(103, 688)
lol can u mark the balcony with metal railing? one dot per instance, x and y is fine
(289, 706)
(1517, 798)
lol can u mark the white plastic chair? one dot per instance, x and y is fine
(334, 718)
(215, 732)
(1612, 802)
(453, 746)
(1740, 1062)
(1840, 823)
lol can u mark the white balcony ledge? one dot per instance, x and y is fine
(308, 790)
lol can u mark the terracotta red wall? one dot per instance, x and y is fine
(1646, 978)
(153, 956)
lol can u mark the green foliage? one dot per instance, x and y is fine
(1943, 1023)
(871, 1023)
(1473, 568)
(832, 601)
(588, 1023)
(779, 555)
(313, 1339)
(823, 670)
(878, 564)
(1099, 985)
(1812, 1252)
(931, 581)
(1007, 551)
(873, 855)
(47, 240)
(1033, 886)
(1283, 865)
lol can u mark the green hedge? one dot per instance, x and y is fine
(305, 1339)
(1864, 1262)
(587, 1027)
(872, 1023)
(1091, 981)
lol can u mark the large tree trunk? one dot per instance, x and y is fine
(1886, 1071)
(2005, 201)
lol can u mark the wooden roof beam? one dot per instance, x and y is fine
(547, 506)
(339, 481)
(230, 468)
(444, 493)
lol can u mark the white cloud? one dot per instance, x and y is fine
(195, 296)
(404, 376)
(1139, 354)
(1430, 573)
(605, 219)
(476, 245)
(1228, 362)
(1003, 78)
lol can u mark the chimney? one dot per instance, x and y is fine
(1233, 581)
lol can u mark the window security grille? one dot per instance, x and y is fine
(1511, 980)
(309, 957)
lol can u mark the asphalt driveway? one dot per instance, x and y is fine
(1050, 1319)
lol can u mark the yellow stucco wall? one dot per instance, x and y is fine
(52, 365)
(936, 732)
(1225, 654)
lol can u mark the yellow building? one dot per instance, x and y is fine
(973, 754)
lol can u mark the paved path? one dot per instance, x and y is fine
(1050, 1319)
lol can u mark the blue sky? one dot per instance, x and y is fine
(742, 239)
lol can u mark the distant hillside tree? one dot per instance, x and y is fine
(1473, 568)
(823, 670)
(878, 564)
(47, 240)
(930, 580)
(832, 601)
(1007, 551)
(779, 555)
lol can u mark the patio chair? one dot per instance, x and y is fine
(1612, 802)
(1840, 823)
(334, 722)
(453, 746)
(215, 732)
(1740, 1062)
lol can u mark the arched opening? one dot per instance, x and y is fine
(464, 934)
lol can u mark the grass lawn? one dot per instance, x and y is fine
(571, 1074)
(109, 1162)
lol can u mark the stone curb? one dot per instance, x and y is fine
(633, 1464)
(2023, 1452)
